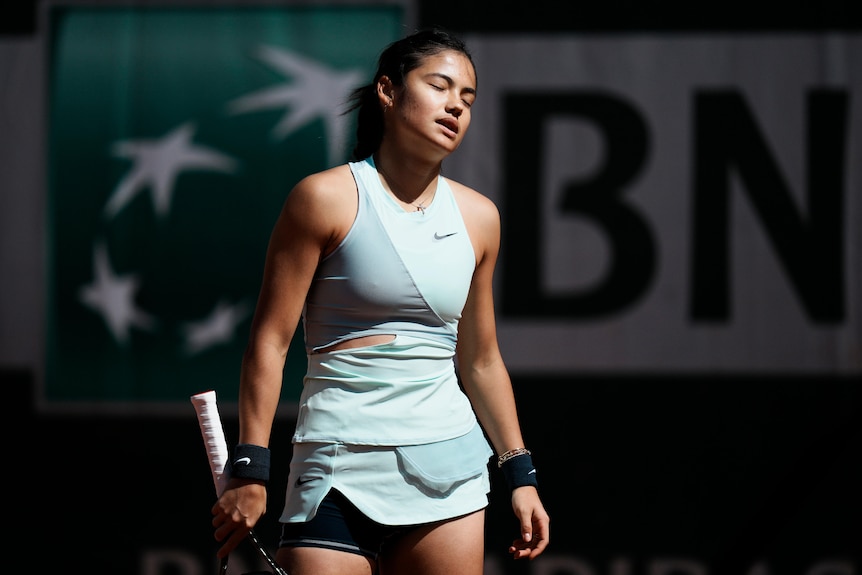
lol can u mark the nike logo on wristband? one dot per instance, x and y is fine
(243, 460)
(531, 472)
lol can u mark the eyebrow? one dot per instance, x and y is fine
(450, 82)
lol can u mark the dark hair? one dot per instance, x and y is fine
(396, 61)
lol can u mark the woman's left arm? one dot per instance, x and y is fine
(483, 372)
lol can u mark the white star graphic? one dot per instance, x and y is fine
(318, 91)
(157, 163)
(217, 328)
(113, 297)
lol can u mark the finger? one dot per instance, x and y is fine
(219, 519)
(519, 547)
(541, 535)
(231, 543)
(518, 552)
(222, 528)
(522, 549)
(539, 549)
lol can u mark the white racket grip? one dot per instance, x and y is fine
(213, 435)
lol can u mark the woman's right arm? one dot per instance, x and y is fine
(310, 224)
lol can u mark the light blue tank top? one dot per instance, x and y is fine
(401, 273)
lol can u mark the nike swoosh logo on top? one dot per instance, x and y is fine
(243, 460)
(531, 472)
(439, 236)
(304, 480)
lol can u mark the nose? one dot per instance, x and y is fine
(456, 108)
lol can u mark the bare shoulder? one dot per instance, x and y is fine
(325, 189)
(482, 219)
(326, 197)
(322, 205)
(476, 208)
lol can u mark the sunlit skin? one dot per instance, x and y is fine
(425, 120)
(430, 113)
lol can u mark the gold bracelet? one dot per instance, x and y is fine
(510, 454)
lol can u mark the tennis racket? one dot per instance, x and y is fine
(212, 431)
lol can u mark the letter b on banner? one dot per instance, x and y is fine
(598, 199)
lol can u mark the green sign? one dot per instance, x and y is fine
(175, 135)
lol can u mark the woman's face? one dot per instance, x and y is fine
(432, 108)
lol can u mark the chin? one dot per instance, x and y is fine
(451, 145)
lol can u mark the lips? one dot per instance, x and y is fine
(450, 123)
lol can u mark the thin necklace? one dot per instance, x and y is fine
(420, 207)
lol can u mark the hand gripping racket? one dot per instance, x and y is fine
(213, 435)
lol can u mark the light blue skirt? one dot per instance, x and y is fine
(403, 485)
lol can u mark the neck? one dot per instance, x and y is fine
(413, 189)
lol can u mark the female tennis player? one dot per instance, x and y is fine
(389, 266)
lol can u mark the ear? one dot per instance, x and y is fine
(385, 91)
